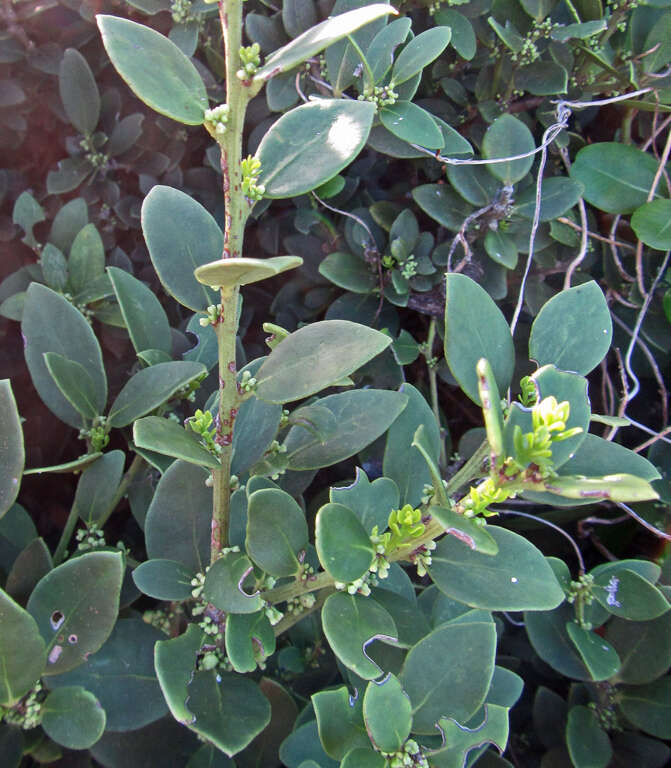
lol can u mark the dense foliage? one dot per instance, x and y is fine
(334, 426)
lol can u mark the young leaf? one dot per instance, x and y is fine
(573, 330)
(316, 356)
(370, 502)
(598, 655)
(475, 328)
(587, 742)
(163, 436)
(52, 324)
(314, 40)
(79, 92)
(87, 258)
(73, 717)
(13, 455)
(75, 607)
(225, 585)
(155, 69)
(230, 272)
(181, 235)
(344, 548)
(276, 532)
(340, 721)
(22, 651)
(142, 312)
(248, 637)
(312, 143)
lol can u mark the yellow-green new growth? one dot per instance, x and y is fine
(251, 170)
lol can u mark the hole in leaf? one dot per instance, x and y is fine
(57, 618)
(73, 639)
(54, 654)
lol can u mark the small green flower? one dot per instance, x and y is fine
(251, 170)
(251, 60)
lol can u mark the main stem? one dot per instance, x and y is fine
(237, 209)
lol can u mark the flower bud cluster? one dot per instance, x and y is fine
(214, 658)
(212, 316)
(27, 713)
(98, 434)
(250, 59)
(181, 11)
(478, 499)
(421, 557)
(202, 423)
(381, 96)
(162, 619)
(301, 603)
(409, 756)
(217, 118)
(90, 537)
(251, 170)
(247, 383)
(409, 267)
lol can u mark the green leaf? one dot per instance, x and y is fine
(163, 579)
(616, 177)
(548, 637)
(66, 467)
(79, 92)
(542, 78)
(644, 647)
(298, 16)
(344, 548)
(22, 651)
(588, 745)
(175, 662)
(351, 623)
(597, 456)
(249, 637)
(276, 531)
(232, 272)
(475, 328)
(97, 487)
(155, 69)
(75, 607)
(151, 387)
(319, 37)
(27, 212)
(558, 195)
(33, 562)
(648, 707)
(442, 204)
(506, 137)
(69, 220)
(73, 717)
(474, 183)
(142, 312)
(413, 124)
(169, 439)
(52, 324)
(387, 712)
(370, 502)
(420, 52)
(652, 224)
(312, 143)
(13, 455)
(181, 235)
(340, 721)
(11, 745)
(54, 268)
(87, 258)
(363, 757)
(578, 31)
(69, 174)
(448, 673)
(316, 356)
(460, 740)
(573, 330)
(516, 578)
(380, 53)
(74, 383)
(467, 530)
(303, 745)
(228, 710)
(401, 462)
(598, 655)
(620, 487)
(628, 595)
(463, 36)
(348, 271)
(177, 526)
(225, 585)
(121, 676)
(361, 416)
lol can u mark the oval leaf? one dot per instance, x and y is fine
(420, 52)
(73, 717)
(13, 455)
(232, 272)
(652, 224)
(79, 92)
(312, 143)
(507, 137)
(22, 651)
(387, 712)
(344, 548)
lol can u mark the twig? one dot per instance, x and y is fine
(594, 235)
(643, 522)
(652, 440)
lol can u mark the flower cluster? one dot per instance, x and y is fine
(217, 118)
(251, 170)
(181, 11)
(409, 756)
(202, 423)
(251, 60)
(98, 434)
(381, 96)
(90, 537)
(27, 713)
(247, 383)
(212, 316)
